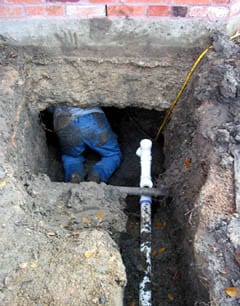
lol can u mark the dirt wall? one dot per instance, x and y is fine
(199, 160)
(47, 228)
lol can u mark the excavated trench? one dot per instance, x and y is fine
(58, 241)
(169, 282)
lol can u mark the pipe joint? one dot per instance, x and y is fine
(144, 152)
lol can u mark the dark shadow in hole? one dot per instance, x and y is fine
(132, 125)
(55, 169)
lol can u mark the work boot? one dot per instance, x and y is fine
(76, 178)
(93, 177)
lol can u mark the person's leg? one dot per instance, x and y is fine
(97, 134)
(111, 158)
(72, 147)
(73, 168)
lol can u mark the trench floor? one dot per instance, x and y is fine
(166, 277)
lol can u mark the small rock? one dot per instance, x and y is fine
(223, 136)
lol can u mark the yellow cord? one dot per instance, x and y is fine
(170, 110)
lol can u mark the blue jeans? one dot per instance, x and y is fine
(93, 131)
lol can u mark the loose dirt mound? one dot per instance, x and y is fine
(77, 269)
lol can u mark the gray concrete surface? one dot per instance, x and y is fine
(135, 34)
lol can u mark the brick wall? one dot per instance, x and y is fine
(205, 9)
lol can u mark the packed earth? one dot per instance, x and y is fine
(78, 244)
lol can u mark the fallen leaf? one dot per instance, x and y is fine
(232, 291)
(33, 265)
(187, 162)
(86, 220)
(100, 215)
(2, 184)
(88, 254)
(154, 253)
(72, 216)
(161, 249)
(170, 296)
(160, 224)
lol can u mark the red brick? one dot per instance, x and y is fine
(221, 1)
(53, 10)
(35, 10)
(158, 10)
(86, 10)
(23, 1)
(62, 1)
(105, 1)
(126, 10)
(193, 2)
(11, 11)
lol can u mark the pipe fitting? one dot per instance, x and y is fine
(144, 152)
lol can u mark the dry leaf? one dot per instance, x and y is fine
(162, 249)
(170, 296)
(100, 215)
(187, 162)
(88, 254)
(2, 184)
(33, 265)
(86, 220)
(154, 253)
(232, 291)
(72, 216)
(160, 224)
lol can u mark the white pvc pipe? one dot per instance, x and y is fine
(144, 152)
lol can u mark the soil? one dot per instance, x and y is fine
(78, 244)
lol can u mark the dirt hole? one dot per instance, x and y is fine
(195, 254)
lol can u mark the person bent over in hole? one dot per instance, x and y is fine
(79, 128)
